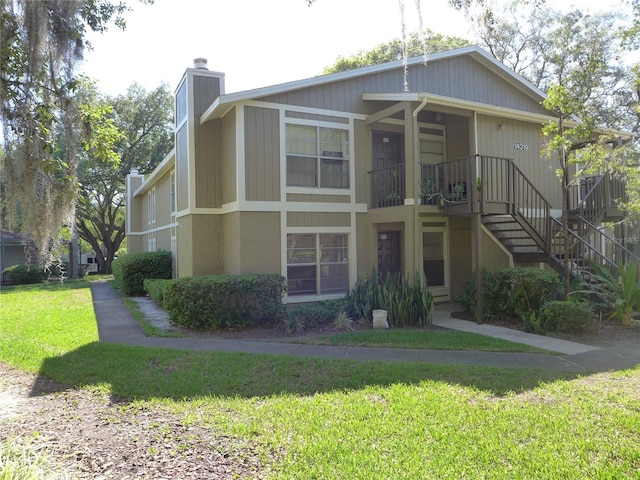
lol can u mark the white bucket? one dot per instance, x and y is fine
(380, 319)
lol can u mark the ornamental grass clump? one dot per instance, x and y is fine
(409, 304)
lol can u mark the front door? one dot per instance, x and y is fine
(388, 253)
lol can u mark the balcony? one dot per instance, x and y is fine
(388, 186)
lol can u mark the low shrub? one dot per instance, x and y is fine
(25, 274)
(225, 301)
(514, 293)
(564, 316)
(130, 271)
(155, 288)
(63, 270)
(314, 315)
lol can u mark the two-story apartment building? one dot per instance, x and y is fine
(326, 178)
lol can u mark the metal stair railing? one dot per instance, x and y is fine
(613, 249)
(580, 253)
(597, 200)
(531, 209)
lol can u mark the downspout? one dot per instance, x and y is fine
(416, 175)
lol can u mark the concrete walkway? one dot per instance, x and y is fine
(116, 325)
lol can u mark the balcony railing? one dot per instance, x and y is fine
(388, 186)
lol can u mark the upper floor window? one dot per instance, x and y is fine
(317, 157)
(151, 207)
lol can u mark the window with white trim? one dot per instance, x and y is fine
(317, 157)
(151, 207)
(317, 263)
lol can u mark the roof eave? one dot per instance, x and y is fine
(164, 166)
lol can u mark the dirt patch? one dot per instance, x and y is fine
(92, 436)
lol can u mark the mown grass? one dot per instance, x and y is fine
(420, 339)
(327, 419)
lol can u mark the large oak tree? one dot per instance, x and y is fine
(145, 122)
(41, 45)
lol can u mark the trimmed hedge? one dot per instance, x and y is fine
(564, 316)
(25, 274)
(225, 301)
(155, 288)
(130, 271)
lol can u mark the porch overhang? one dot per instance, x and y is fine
(457, 103)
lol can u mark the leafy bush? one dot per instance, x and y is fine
(314, 315)
(63, 269)
(155, 288)
(564, 316)
(225, 301)
(408, 303)
(513, 293)
(25, 274)
(130, 271)
(528, 288)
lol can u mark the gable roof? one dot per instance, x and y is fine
(225, 102)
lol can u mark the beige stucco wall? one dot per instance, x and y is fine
(493, 256)
(460, 253)
(163, 200)
(199, 245)
(252, 242)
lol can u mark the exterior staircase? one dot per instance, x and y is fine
(518, 216)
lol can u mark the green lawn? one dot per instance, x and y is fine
(332, 419)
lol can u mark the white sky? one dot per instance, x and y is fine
(256, 43)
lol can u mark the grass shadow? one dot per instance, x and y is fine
(141, 373)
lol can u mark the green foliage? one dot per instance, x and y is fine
(362, 299)
(392, 51)
(513, 293)
(314, 315)
(527, 288)
(563, 316)
(41, 46)
(137, 129)
(130, 271)
(25, 274)
(408, 304)
(225, 301)
(622, 290)
(343, 322)
(155, 288)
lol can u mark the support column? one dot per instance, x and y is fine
(477, 228)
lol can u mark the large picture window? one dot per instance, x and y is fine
(317, 157)
(317, 263)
